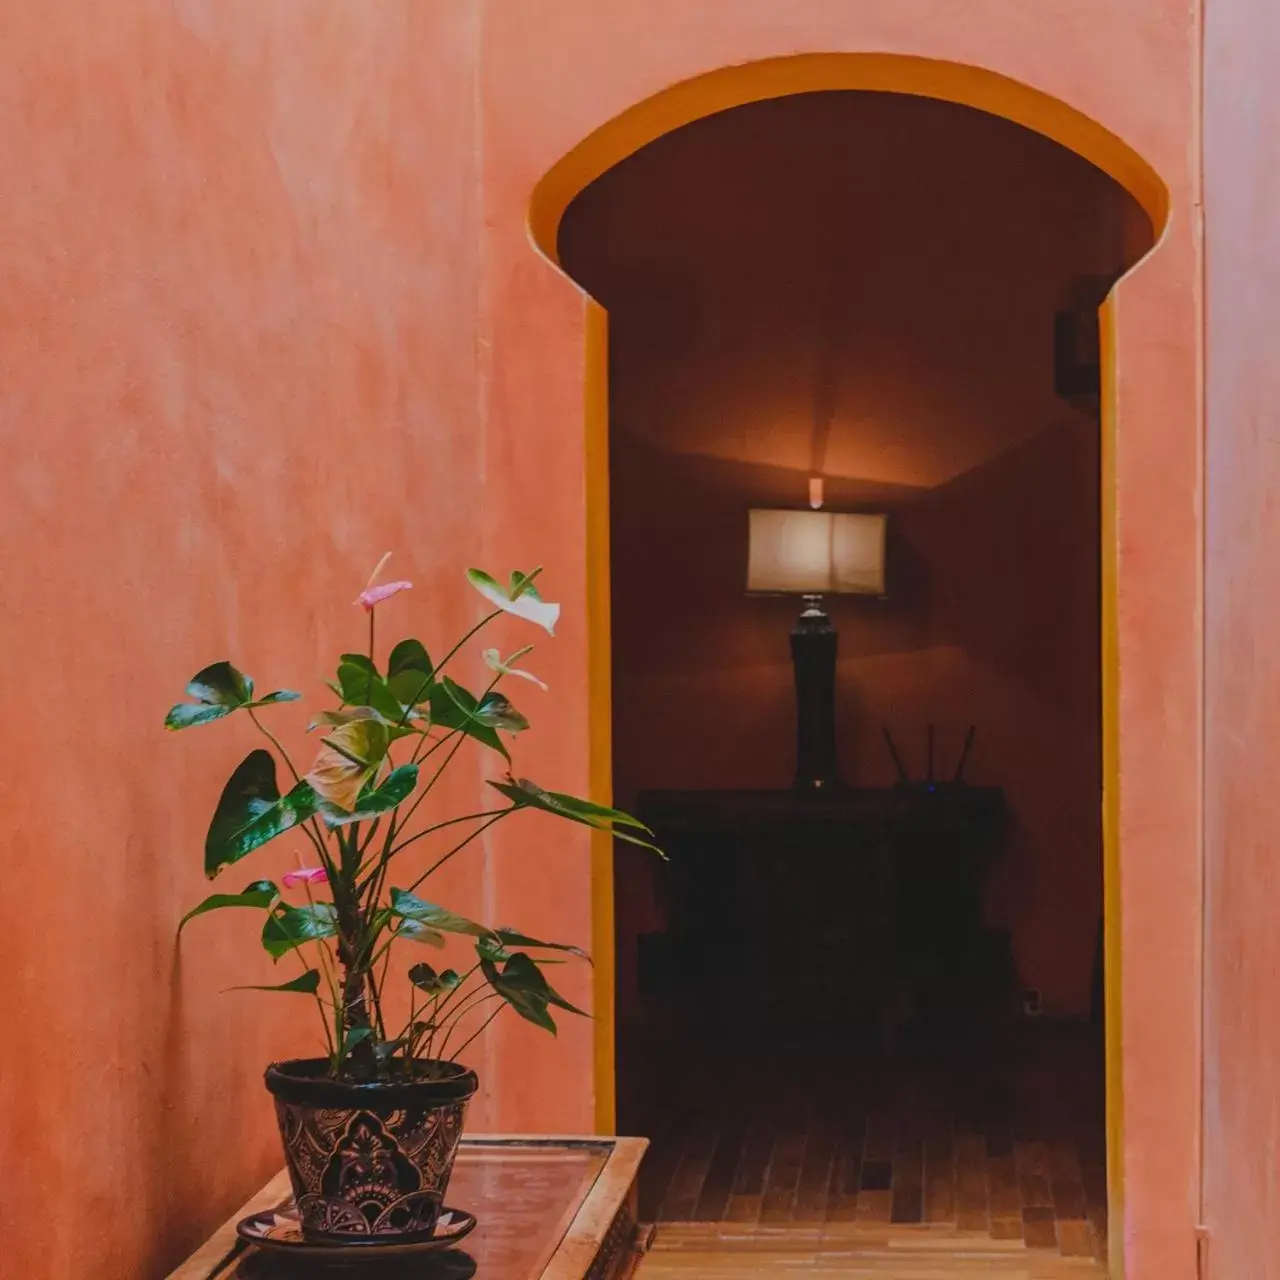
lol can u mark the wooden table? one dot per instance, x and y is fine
(547, 1209)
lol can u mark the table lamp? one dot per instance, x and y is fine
(813, 554)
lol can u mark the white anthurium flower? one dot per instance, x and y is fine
(495, 662)
(520, 597)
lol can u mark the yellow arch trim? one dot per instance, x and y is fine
(735, 86)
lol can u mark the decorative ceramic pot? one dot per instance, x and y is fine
(369, 1162)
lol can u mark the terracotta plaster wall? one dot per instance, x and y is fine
(787, 296)
(554, 72)
(1242, 210)
(238, 271)
(262, 318)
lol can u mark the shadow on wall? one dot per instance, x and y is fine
(863, 285)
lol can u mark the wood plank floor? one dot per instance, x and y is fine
(683, 1251)
(985, 1156)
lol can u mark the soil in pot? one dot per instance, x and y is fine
(369, 1161)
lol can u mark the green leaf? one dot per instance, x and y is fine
(414, 931)
(453, 707)
(520, 597)
(288, 927)
(411, 907)
(513, 938)
(347, 761)
(522, 985)
(425, 978)
(362, 686)
(260, 894)
(396, 788)
(307, 983)
(251, 811)
(354, 1037)
(496, 711)
(530, 1005)
(280, 695)
(218, 690)
(528, 795)
(363, 741)
(409, 672)
(521, 971)
(222, 684)
(335, 719)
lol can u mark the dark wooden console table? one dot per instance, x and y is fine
(828, 904)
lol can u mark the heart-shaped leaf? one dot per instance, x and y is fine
(425, 978)
(363, 741)
(260, 894)
(280, 695)
(409, 672)
(520, 974)
(251, 811)
(520, 597)
(394, 790)
(496, 711)
(308, 983)
(414, 908)
(528, 795)
(289, 927)
(335, 719)
(415, 931)
(522, 985)
(513, 938)
(354, 1037)
(218, 690)
(347, 761)
(530, 1005)
(361, 685)
(453, 707)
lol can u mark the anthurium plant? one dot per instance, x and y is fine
(382, 748)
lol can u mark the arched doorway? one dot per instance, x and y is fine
(783, 77)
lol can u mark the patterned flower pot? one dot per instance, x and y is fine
(370, 1163)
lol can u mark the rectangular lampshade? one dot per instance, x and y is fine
(816, 553)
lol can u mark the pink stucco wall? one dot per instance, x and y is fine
(1242, 209)
(237, 363)
(268, 307)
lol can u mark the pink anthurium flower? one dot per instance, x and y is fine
(375, 595)
(372, 594)
(304, 875)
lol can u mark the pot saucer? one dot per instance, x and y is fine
(278, 1231)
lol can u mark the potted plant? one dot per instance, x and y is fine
(370, 1130)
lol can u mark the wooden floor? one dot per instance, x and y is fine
(683, 1251)
(829, 1158)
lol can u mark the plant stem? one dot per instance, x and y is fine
(435, 777)
(308, 828)
(484, 622)
(275, 742)
(462, 844)
(471, 1037)
(473, 1000)
(448, 822)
